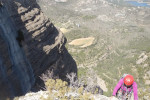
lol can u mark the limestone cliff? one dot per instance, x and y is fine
(29, 45)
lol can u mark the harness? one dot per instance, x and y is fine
(125, 93)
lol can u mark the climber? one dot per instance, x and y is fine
(125, 87)
(20, 37)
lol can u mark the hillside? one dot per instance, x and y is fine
(120, 39)
(29, 46)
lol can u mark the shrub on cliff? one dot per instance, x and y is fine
(76, 89)
(58, 89)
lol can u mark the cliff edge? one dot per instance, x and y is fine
(29, 45)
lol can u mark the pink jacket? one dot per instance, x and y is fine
(120, 83)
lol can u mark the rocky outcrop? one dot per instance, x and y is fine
(29, 45)
(44, 94)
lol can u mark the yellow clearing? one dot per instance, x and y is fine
(82, 42)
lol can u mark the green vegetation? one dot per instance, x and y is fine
(89, 17)
(82, 72)
(118, 44)
(141, 30)
(141, 44)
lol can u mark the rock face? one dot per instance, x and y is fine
(29, 45)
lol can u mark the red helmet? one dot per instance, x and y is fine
(128, 80)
